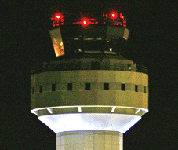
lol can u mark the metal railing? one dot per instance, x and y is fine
(91, 65)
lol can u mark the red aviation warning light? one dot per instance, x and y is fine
(114, 15)
(124, 23)
(84, 22)
(58, 19)
(58, 16)
(122, 17)
(113, 18)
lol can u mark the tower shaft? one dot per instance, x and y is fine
(89, 140)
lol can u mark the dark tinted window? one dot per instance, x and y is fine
(136, 88)
(129, 65)
(123, 87)
(69, 86)
(106, 86)
(53, 87)
(144, 89)
(40, 89)
(87, 86)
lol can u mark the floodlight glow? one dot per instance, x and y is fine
(89, 121)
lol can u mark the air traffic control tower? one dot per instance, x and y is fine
(89, 95)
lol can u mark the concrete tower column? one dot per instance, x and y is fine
(89, 140)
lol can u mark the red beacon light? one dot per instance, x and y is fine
(58, 19)
(114, 15)
(122, 17)
(84, 22)
(58, 16)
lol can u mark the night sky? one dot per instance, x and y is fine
(25, 42)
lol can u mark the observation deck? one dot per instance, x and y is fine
(89, 91)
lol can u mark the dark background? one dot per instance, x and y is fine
(25, 42)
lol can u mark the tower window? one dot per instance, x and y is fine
(129, 66)
(136, 88)
(144, 89)
(32, 90)
(69, 86)
(106, 86)
(40, 89)
(123, 87)
(87, 86)
(53, 87)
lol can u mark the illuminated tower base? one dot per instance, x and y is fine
(89, 140)
(99, 104)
